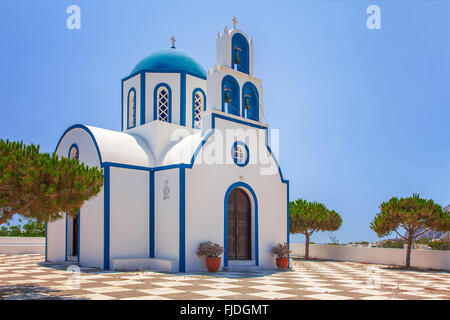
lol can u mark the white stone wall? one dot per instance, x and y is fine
(129, 213)
(22, 245)
(167, 214)
(429, 259)
(91, 214)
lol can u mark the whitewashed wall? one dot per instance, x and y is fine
(158, 135)
(431, 259)
(129, 213)
(134, 82)
(22, 245)
(91, 232)
(56, 240)
(91, 214)
(205, 201)
(167, 215)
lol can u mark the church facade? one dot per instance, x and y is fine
(191, 164)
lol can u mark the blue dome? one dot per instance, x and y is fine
(170, 60)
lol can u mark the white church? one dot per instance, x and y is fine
(191, 164)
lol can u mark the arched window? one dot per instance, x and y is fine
(230, 95)
(131, 105)
(250, 101)
(198, 105)
(240, 53)
(162, 103)
(73, 152)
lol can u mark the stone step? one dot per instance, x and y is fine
(152, 264)
(242, 265)
(242, 268)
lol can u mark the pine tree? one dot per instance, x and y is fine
(307, 217)
(410, 214)
(42, 186)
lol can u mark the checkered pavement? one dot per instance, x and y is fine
(28, 277)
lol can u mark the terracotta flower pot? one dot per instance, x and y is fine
(213, 263)
(282, 263)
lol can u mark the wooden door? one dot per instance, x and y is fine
(239, 226)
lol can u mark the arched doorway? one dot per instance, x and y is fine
(239, 225)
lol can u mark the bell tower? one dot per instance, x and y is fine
(231, 86)
(235, 49)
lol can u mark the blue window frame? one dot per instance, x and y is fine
(230, 95)
(250, 101)
(162, 103)
(240, 53)
(73, 152)
(131, 108)
(240, 153)
(198, 105)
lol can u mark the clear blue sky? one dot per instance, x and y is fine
(363, 114)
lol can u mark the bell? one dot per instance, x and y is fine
(227, 98)
(247, 103)
(236, 56)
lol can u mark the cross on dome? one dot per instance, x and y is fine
(173, 42)
(234, 22)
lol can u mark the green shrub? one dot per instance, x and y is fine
(31, 228)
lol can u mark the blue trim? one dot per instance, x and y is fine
(152, 215)
(155, 101)
(106, 216)
(225, 222)
(126, 166)
(128, 108)
(182, 222)
(232, 82)
(81, 126)
(183, 99)
(193, 105)
(240, 121)
(240, 143)
(142, 120)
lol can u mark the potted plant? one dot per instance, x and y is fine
(281, 252)
(212, 251)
